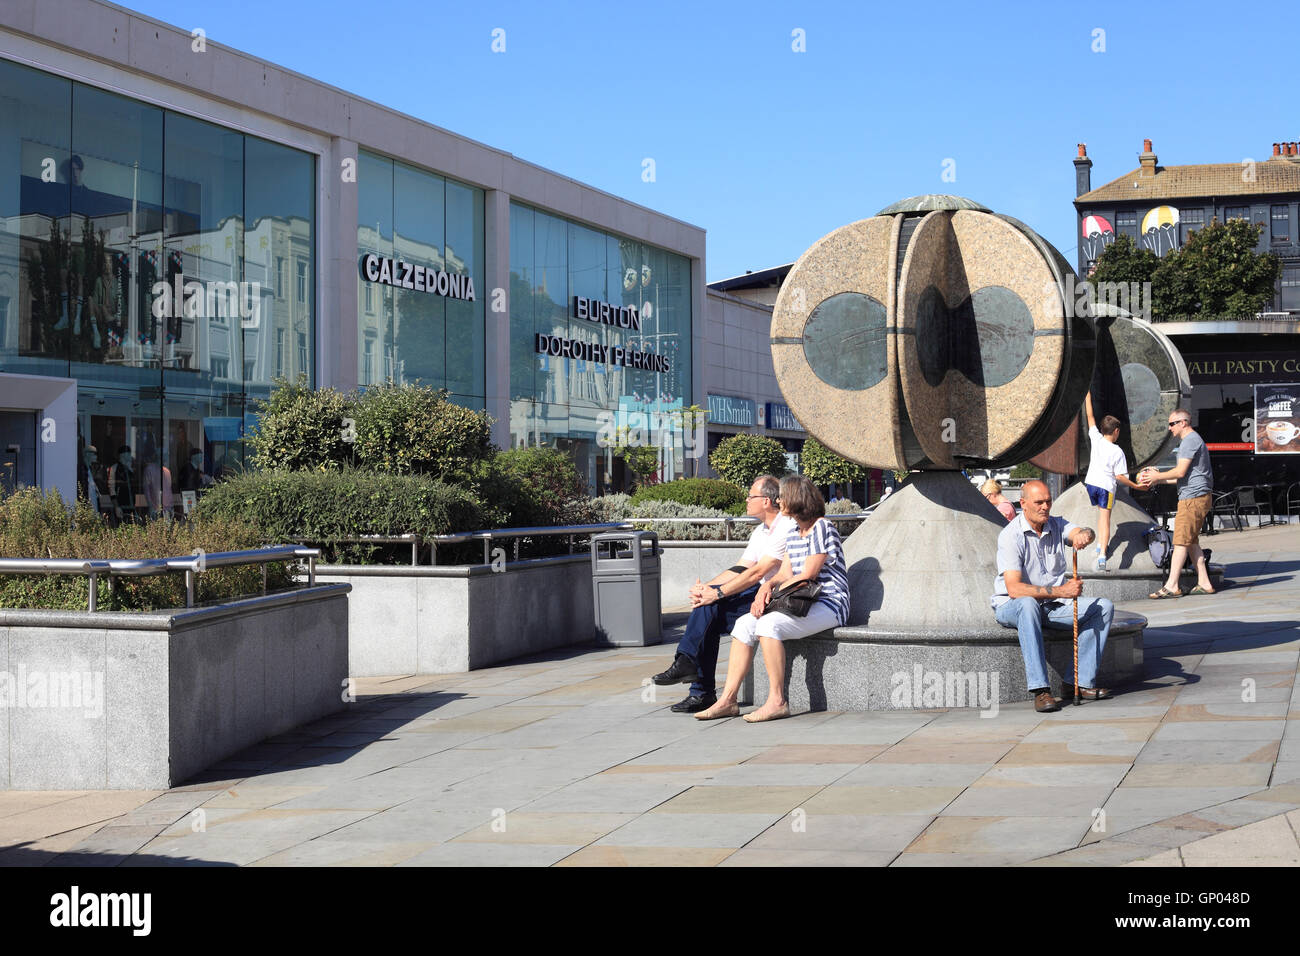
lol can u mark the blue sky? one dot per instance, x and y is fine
(770, 149)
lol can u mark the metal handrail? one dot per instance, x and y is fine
(416, 541)
(731, 520)
(193, 565)
(487, 536)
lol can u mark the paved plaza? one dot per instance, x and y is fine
(570, 759)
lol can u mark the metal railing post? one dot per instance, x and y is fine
(94, 592)
(263, 577)
(190, 581)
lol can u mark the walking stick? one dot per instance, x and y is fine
(1076, 633)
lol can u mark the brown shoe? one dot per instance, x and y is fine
(1085, 693)
(1045, 703)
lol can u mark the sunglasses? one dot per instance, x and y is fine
(1181, 421)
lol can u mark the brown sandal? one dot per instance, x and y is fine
(1163, 593)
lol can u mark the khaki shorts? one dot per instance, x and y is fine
(1187, 522)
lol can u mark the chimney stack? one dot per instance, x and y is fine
(1082, 171)
(1147, 159)
(1277, 149)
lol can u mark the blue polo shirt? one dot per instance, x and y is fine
(1040, 559)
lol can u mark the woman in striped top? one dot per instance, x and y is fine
(813, 553)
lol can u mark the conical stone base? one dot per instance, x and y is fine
(927, 557)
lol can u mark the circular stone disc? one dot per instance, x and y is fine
(982, 337)
(832, 349)
(1140, 378)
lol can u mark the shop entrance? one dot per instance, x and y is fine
(17, 450)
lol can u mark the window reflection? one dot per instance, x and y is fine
(565, 402)
(94, 244)
(411, 335)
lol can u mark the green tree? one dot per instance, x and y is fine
(302, 428)
(413, 429)
(1216, 274)
(742, 458)
(691, 419)
(1123, 261)
(641, 459)
(823, 467)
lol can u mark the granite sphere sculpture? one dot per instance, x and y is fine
(935, 335)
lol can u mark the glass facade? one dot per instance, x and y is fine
(166, 263)
(405, 332)
(571, 402)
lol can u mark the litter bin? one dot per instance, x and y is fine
(625, 584)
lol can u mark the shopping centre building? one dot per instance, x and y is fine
(181, 224)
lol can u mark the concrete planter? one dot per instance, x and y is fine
(122, 700)
(444, 620)
(682, 562)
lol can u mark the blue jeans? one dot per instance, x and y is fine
(704, 628)
(1028, 616)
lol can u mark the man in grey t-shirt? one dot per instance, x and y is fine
(1195, 497)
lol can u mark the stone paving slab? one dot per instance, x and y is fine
(565, 759)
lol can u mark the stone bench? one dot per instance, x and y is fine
(866, 668)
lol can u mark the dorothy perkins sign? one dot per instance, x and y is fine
(603, 313)
(406, 275)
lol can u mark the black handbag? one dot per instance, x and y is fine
(794, 599)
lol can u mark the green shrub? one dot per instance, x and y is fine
(410, 429)
(609, 508)
(1026, 471)
(326, 506)
(705, 492)
(532, 487)
(844, 507)
(620, 507)
(742, 458)
(823, 467)
(301, 427)
(37, 524)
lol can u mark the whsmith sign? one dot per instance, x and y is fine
(406, 275)
(603, 313)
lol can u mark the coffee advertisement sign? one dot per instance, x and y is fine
(1277, 419)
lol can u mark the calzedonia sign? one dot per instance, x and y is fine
(407, 275)
(603, 313)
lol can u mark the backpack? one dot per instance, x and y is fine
(1159, 546)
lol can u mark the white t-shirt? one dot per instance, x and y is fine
(1106, 461)
(765, 542)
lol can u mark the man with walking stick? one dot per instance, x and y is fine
(1031, 592)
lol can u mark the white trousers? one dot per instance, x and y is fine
(783, 627)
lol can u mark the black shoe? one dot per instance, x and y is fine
(693, 705)
(683, 671)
